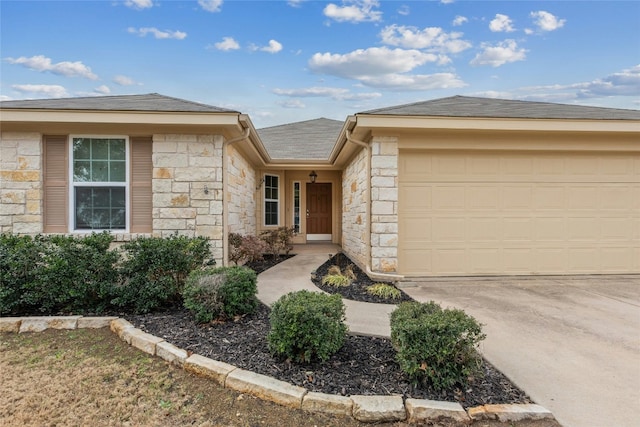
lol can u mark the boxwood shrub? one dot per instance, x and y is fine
(306, 326)
(436, 346)
(155, 269)
(56, 274)
(220, 292)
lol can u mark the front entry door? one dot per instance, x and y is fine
(319, 211)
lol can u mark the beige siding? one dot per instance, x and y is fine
(56, 185)
(506, 212)
(141, 174)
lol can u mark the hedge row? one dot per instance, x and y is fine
(68, 274)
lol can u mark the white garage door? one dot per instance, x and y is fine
(486, 213)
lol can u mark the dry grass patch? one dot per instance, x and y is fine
(89, 377)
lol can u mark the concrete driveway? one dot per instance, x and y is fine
(572, 343)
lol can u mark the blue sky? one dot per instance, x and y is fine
(286, 61)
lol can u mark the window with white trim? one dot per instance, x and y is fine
(99, 183)
(271, 200)
(296, 206)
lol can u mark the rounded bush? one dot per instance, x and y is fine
(435, 345)
(220, 292)
(306, 326)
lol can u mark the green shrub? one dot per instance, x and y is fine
(220, 292)
(435, 345)
(20, 267)
(384, 290)
(279, 241)
(307, 325)
(53, 274)
(155, 269)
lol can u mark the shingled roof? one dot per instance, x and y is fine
(310, 139)
(464, 106)
(152, 102)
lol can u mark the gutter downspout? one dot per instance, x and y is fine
(374, 275)
(225, 180)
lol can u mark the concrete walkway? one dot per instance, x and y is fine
(294, 274)
(572, 343)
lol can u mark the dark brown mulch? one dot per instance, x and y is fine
(364, 365)
(358, 289)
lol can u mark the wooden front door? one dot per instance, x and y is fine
(319, 211)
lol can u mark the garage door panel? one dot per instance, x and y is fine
(481, 197)
(516, 197)
(445, 229)
(412, 203)
(483, 229)
(448, 197)
(550, 229)
(519, 213)
(517, 229)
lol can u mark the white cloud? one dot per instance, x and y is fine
(338, 94)
(315, 91)
(295, 3)
(124, 80)
(500, 54)
(434, 38)
(447, 1)
(103, 90)
(65, 68)
(158, 34)
(545, 21)
(211, 5)
(369, 62)
(459, 20)
(139, 4)
(414, 82)
(501, 23)
(404, 10)
(292, 103)
(273, 47)
(625, 83)
(354, 11)
(227, 43)
(51, 91)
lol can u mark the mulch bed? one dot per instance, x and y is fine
(364, 365)
(358, 289)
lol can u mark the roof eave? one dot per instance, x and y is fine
(373, 121)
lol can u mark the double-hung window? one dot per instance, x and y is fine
(271, 201)
(98, 175)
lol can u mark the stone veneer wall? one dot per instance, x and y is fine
(384, 204)
(187, 187)
(241, 194)
(354, 208)
(20, 183)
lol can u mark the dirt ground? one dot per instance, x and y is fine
(90, 377)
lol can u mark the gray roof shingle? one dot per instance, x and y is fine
(310, 139)
(152, 102)
(464, 106)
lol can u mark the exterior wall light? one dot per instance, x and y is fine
(312, 176)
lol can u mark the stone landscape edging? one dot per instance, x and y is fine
(375, 408)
